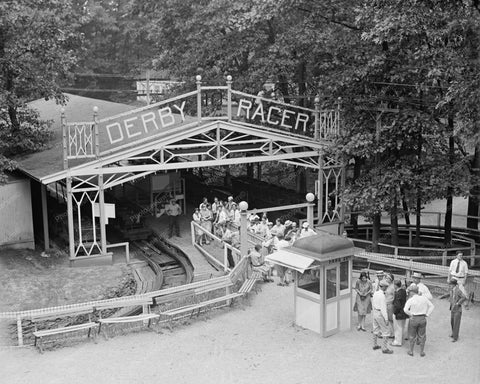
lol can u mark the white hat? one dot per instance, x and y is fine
(412, 288)
(417, 275)
(305, 225)
(288, 223)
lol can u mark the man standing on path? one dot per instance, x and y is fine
(457, 297)
(380, 318)
(458, 269)
(418, 307)
(173, 210)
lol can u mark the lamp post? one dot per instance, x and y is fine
(243, 206)
(310, 197)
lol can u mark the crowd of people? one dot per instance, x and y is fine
(222, 218)
(400, 310)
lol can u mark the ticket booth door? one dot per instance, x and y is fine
(331, 320)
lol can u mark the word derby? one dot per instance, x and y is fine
(274, 115)
(144, 124)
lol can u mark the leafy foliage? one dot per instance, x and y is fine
(38, 45)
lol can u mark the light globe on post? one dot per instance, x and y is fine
(198, 78)
(229, 78)
(310, 197)
(243, 205)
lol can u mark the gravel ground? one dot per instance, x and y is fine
(254, 342)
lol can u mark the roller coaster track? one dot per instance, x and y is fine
(168, 265)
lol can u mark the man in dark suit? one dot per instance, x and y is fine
(457, 297)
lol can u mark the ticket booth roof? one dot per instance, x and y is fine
(323, 247)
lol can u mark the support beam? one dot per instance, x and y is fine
(46, 237)
(320, 189)
(103, 232)
(71, 234)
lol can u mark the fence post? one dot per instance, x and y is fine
(395, 252)
(199, 98)
(444, 258)
(409, 236)
(127, 252)
(439, 220)
(19, 331)
(229, 97)
(225, 257)
(192, 231)
(472, 253)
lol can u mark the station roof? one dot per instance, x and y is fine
(323, 246)
(312, 251)
(78, 108)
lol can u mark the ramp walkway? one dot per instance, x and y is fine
(202, 269)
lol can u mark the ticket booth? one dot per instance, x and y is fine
(323, 288)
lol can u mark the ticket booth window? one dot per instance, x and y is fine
(344, 276)
(310, 281)
(331, 283)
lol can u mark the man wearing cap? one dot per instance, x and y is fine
(380, 318)
(418, 307)
(173, 210)
(458, 269)
(306, 231)
(422, 288)
(457, 297)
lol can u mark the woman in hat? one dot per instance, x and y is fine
(363, 303)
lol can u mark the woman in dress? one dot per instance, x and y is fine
(206, 221)
(197, 218)
(363, 303)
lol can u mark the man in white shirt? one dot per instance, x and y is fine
(418, 307)
(458, 269)
(282, 272)
(380, 318)
(306, 231)
(422, 288)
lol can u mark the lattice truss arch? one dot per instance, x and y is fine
(215, 144)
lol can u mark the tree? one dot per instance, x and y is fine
(37, 51)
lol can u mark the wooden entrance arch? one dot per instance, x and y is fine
(184, 132)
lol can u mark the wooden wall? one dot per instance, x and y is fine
(16, 223)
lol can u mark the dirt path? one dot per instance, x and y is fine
(254, 344)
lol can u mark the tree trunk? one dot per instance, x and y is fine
(376, 232)
(418, 219)
(405, 208)
(283, 87)
(474, 199)
(227, 181)
(419, 191)
(301, 83)
(394, 217)
(449, 209)
(354, 216)
(250, 171)
(301, 181)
